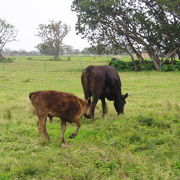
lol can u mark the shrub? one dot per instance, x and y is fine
(171, 66)
(5, 60)
(68, 58)
(29, 58)
(147, 65)
(121, 65)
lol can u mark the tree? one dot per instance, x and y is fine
(171, 5)
(129, 25)
(52, 35)
(8, 34)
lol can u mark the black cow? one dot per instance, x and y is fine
(102, 82)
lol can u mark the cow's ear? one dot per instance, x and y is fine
(126, 95)
(89, 101)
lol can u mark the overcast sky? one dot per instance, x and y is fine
(26, 15)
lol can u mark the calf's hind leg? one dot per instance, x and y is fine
(93, 105)
(42, 127)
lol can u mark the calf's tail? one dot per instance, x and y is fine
(31, 94)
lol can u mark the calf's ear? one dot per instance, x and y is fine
(126, 95)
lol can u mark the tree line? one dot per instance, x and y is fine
(51, 34)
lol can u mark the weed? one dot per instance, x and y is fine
(145, 121)
(27, 171)
(7, 114)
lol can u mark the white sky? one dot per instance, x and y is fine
(26, 15)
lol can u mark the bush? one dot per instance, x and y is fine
(147, 65)
(29, 58)
(121, 65)
(5, 60)
(171, 66)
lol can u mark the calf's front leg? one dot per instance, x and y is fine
(63, 129)
(78, 123)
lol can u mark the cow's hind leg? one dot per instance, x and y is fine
(93, 105)
(42, 127)
(78, 123)
(104, 107)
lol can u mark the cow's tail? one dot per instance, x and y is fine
(86, 84)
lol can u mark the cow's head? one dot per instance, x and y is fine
(119, 104)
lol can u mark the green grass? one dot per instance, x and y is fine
(64, 58)
(142, 144)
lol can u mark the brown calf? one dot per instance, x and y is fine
(64, 105)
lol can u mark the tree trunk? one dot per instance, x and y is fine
(178, 53)
(56, 57)
(136, 67)
(139, 56)
(156, 60)
(172, 54)
(1, 57)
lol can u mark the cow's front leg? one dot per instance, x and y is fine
(104, 106)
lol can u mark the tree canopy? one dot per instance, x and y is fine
(129, 25)
(52, 35)
(8, 34)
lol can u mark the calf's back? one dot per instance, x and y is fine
(58, 104)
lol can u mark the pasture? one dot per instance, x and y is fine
(141, 144)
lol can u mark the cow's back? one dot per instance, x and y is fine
(103, 77)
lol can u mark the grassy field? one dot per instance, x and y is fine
(142, 144)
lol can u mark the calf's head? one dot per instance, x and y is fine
(119, 103)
